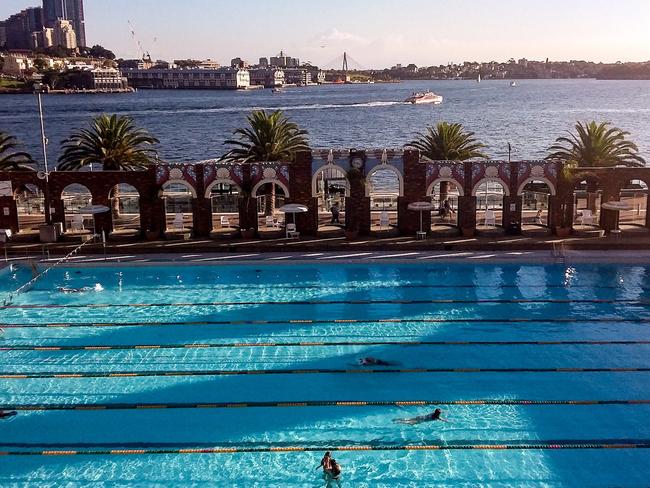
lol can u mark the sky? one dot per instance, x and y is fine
(375, 33)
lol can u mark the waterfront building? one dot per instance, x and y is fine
(195, 78)
(70, 10)
(267, 77)
(263, 63)
(19, 28)
(295, 76)
(108, 79)
(64, 34)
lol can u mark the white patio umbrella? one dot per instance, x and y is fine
(617, 206)
(293, 208)
(420, 207)
(94, 209)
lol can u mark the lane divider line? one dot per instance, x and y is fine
(234, 345)
(328, 302)
(193, 323)
(484, 446)
(318, 403)
(136, 374)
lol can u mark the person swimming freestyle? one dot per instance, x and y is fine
(430, 417)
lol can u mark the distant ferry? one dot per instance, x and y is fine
(426, 97)
(513, 84)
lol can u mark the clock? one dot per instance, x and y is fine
(357, 163)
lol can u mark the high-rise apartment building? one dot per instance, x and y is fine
(70, 10)
(64, 35)
(19, 28)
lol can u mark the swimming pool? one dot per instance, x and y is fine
(541, 370)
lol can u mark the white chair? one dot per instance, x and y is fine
(77, 223)
(270, 222)
(279, 223)
(177, 224)
(384, 221)
(225, 222)
(586, 218)
(490, 218)
(292, 233)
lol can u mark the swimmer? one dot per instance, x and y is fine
(335, 474)
(6, 415)
(430, 417)
(370, 361)
(66, 289)
(326, 463)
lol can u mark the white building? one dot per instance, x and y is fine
(267, 77)
(108, 79)
(208, 64)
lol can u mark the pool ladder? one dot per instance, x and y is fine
(559, 253)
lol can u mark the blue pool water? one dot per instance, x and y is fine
(309, 324)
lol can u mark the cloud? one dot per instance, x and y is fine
(336, 35)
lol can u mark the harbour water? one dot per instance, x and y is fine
(192, 125)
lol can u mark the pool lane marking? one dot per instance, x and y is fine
(484, 446)
(248, 372)
(235, 345)
(318, 403)
(327, 302)
(193, 323)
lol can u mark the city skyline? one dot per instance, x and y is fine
(376, 34)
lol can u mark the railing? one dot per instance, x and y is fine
(8, 299)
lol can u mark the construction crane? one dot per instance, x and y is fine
(144, 52)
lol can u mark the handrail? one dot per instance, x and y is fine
(8, 299)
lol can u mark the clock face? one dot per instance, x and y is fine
(357, 163)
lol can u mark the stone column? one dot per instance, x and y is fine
(415, 190)
(201, 207)
(300, 190)
(9, 214)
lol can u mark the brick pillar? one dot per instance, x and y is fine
(553, 214)
(357, 205)
(201, 207)
(248, 203)
(510, 215)
(467, 204)
(8, 214)
(300, 192)
(415, 190)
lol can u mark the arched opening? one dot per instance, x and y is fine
(125, 209)
(586, 206)
(383, 186)
(178, 197)
(330, 186)
(270, 196)
(224, 201)
(30, 203)
(635, 194)
(489, 204)
(535, 200)
(444, 198)
(77, 220)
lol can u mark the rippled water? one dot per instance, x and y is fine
(192, 125)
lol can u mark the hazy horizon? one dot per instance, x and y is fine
(375, 33)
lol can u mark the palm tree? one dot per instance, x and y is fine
(269, 137)
(596, 145)
(112, 141)
(10, 159)
(448, 142)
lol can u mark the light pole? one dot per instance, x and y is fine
(509, 151)
(48, 216)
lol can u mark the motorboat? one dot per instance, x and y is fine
(513, 84)
(424, 97)
(277, 90)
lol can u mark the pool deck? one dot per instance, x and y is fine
(404, 246)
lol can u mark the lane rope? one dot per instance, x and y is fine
(299, 404)
(484, 446)
(328, 302)
(619, 320)
(234, 345)
(222, 372)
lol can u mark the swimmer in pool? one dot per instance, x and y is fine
(430, 417)
(5, 415)
(326, 463)
(334, 474)
(370, 361)
(85, 289)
